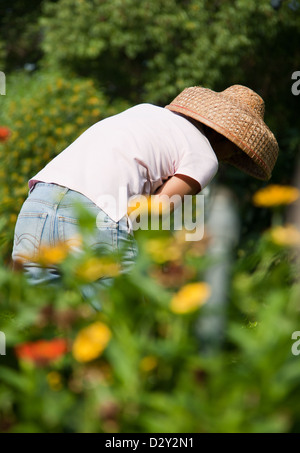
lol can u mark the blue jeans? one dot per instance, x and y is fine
(48, 217)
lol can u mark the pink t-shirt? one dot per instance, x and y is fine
(129, 154)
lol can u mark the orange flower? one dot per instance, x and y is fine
(42, 352)
(4, 133)
(275, 195)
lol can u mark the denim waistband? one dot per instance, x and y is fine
(53, 194)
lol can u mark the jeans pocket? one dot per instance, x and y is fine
(100, 238)
(68, 230)
(27, 236)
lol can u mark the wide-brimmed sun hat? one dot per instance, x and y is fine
(238, 114)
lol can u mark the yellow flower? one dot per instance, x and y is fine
(13, 218)
(162, 250)
(144, 204)
(22, 144)
(96, 112)
(190, 297)
(51, 141)
(52, 254)
(91, 342)
(148, 363)
(95, 268)
(138, 205)
(74, 98)
(275, 195)
(59, 83)
(68, 129)
(93, 101)
(287, 236)
(32, 137)
(54, 380)
(76, 89)
(79, 120)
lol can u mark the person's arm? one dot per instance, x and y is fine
(179, 185)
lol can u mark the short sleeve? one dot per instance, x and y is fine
(201, 165)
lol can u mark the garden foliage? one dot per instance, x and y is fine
(135, 365)
(138, 365)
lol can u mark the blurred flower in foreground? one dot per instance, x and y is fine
(91, 342)
(54, 380)
(52, 255)
(148, 204)
(56, 254)
(148, 363)
(192, 248)
(4, 133)
(190, 297)
(42, 352)
(142, 208)
(162, 250)
(275, 195)
(174, 248)
(172, 274)
(287, 236)
(94, 268)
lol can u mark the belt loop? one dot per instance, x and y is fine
(31, 189)
(61, 194)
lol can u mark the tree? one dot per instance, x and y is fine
(152, 49)
(19, 33)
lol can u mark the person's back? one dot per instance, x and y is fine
(131, 153)
(145, 150)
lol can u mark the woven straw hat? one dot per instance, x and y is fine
(238, 114)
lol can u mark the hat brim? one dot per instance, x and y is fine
(235, 122)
